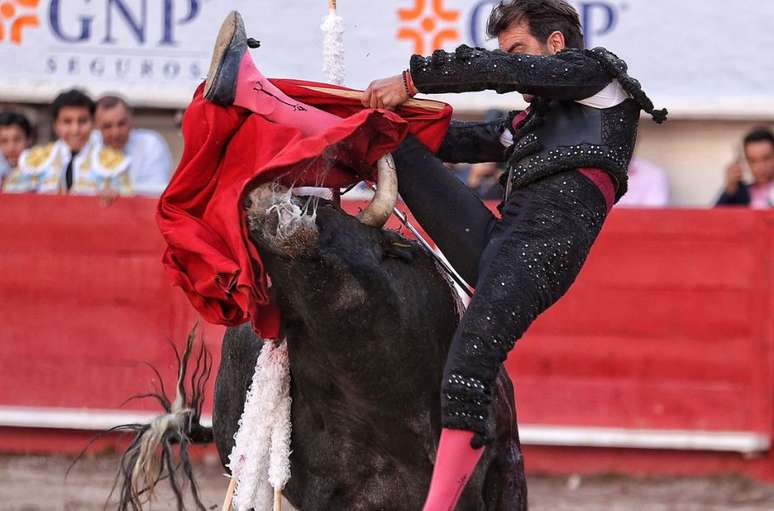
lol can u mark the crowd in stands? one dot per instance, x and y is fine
(98, 151)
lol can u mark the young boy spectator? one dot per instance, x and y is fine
(15, 137)
(758, 155)
(151, 166)
(74, 163)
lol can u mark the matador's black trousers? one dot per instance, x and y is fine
(520, 265)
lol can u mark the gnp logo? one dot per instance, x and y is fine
(132, 18)
(431, 27)
(122, 39)
(436, 26)
(15, 16)
(598, 18)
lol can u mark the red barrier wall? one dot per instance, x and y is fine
(84, 302)
(670, 326)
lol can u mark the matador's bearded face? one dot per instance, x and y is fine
(518, 38)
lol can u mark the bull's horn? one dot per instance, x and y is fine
(386, 194)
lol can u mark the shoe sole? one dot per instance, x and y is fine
(225, 36)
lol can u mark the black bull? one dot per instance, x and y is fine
(368, 318)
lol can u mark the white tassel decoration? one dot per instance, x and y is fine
(260, 459)
(279, 453)
(333, 45)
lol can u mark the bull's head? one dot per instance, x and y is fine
(280, 223)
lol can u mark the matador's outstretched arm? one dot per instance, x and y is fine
(569, 75)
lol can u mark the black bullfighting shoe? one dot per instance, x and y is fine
(230, 50)
(235, 80)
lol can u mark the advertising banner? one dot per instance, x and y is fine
(699, 58)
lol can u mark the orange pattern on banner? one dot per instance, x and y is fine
(18, 21)
(446, 15)
(413, 13)
(425, 29)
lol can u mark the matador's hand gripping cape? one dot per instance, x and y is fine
(227, 152)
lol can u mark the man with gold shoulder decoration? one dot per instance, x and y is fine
(75, 163)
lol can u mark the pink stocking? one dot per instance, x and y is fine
(257, 94)
(454, 464)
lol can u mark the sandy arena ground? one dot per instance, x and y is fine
(37, 483)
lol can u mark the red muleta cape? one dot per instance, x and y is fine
(229, 150)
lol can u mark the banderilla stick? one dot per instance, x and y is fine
(277, 500)
(446, 266)
(230, 497)
(229, 494)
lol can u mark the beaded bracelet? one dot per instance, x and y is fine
(406, 80)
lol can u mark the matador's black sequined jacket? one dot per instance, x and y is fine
(559, 133)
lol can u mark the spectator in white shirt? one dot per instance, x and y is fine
(151, 162)
(648, 186)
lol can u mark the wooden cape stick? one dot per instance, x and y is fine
(426, 104)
